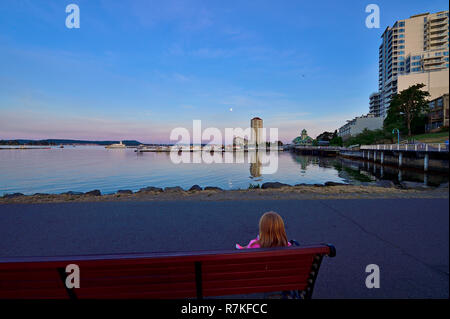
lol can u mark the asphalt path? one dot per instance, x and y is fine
(407, 238)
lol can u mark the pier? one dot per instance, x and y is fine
(426, 157)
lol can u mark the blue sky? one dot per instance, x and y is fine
(138, 69)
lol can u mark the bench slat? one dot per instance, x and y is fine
(162, 276)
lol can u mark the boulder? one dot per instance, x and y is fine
(95, 192)
(72, 193)
(335, 184)
(385, 183)
(274, 185)
(124, 191)
(173, 189)
(302, 184)
(13, 195)
(195, 188)
(443, 185)
(150, 189)
(412, 185)
(213, 188)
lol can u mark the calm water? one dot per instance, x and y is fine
(84, 168)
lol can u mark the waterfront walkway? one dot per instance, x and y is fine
(407, 238)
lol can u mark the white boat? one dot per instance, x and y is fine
(120, 145)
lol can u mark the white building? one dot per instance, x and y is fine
(359, 124)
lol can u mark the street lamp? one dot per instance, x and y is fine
(398, 135)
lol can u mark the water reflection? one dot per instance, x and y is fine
(86, 168)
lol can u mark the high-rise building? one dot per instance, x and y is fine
(375, 104)
(414, 50)
(256, 124)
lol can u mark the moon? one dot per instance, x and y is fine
(231, 109)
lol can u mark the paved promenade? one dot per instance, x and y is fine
(407, 238)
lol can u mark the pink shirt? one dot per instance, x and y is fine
(253, 244)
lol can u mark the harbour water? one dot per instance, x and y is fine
(84, 168)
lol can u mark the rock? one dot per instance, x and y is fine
(335, 184)
(95, 192)
(318, 185)
(365, 184)
(213, 188)
(13, 195)
(385, 183)
(72, 193)
(412, 185)
(274, 185)
(195, 188)
(150, 189)
(124, 191)
(174, 189)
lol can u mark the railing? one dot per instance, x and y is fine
(419, 147)
(328, 148)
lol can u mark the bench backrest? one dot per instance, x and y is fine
(166, 275)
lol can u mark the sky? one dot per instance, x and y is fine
(135, 70)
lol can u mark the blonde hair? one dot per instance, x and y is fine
(271, 231)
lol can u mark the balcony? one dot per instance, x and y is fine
(432, 62)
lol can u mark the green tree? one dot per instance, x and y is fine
(408, 107)
(336, 140)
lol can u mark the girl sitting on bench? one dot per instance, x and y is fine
(271, 233)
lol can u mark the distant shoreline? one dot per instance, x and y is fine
(303, 192)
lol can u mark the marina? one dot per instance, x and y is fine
(84, 168)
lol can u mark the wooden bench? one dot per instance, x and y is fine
(166, 275)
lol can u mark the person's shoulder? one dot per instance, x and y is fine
(253, 243)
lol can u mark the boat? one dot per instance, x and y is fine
(119, 145)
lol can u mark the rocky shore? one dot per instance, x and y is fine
(267, 191)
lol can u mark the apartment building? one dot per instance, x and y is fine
(375, 104)
(438, 114)
(359, 124)
(256, 125)
(414, 50)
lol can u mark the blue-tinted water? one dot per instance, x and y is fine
(84, 168)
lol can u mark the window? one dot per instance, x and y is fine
(417, 57)
(416, 63)
(438, 54)
(401, 46)
(401, 63)
(401, 36)
(401, 41)
(401, 24)
(401, 52)
(446, 53)
(401, 30)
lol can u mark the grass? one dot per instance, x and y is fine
(439, 137)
